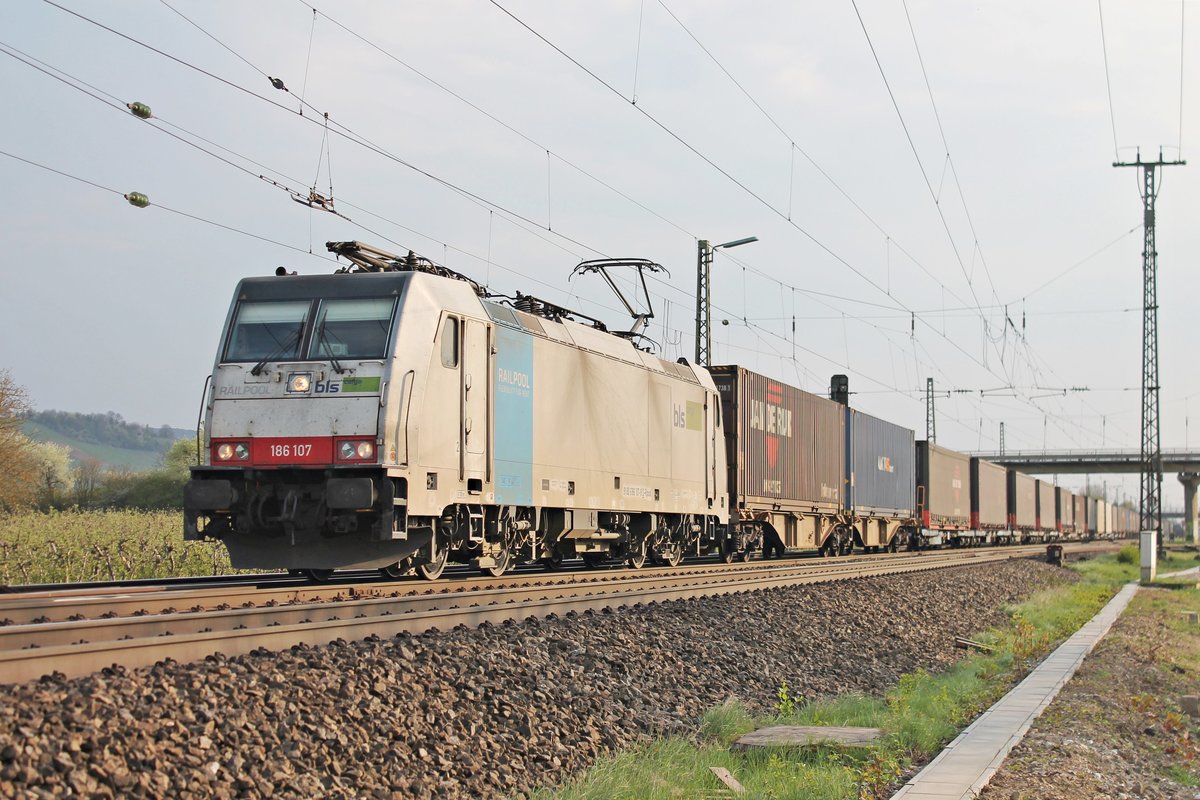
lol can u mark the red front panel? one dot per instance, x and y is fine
(291, 450)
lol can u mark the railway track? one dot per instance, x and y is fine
(236, 620)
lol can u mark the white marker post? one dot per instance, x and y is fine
(1149, 557)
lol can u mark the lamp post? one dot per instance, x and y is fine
(704, 262)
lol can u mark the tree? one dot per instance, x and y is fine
(18, 467)
(54, 472)
(181, 457)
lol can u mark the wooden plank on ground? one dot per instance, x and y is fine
(807, 736)
(726, 777)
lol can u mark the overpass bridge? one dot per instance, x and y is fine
(1183, 461)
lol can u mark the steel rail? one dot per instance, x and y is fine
(74, 604)
(141, 641)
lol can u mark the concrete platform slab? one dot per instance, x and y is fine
(966, 765)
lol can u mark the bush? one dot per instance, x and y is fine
(1128, 555)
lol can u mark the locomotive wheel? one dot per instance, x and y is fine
(395, 571)
(728, 555)
(318, 575)
(670, 555)
(432, 570)
(637, 556)
(552, 563)
(503, 562)
(594, 560)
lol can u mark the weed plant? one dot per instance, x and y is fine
(74, 546)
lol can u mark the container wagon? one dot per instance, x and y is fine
(1047, 512)
(1022, 506)
(1080, 503)
(881, 476)
(943, 495)
(1066, 511)
(785, 450)
(989, 501)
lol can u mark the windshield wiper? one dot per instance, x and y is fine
(271, 356)
(333, 362)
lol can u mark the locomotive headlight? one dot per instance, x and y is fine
(299, 382)
(356, 450)
(232, 451)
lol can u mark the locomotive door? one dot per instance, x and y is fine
(475, 383)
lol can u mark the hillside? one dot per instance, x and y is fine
(106, 438)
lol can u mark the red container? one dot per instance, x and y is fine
(785, 447)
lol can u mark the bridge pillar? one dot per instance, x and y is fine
(1190, 481)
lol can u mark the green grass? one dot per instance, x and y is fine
(918, 716)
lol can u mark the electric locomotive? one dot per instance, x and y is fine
(396, 416)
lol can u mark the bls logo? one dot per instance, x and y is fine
(885, 464)
(327, 387)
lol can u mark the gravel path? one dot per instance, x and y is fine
(1116, 731)
(492, 711)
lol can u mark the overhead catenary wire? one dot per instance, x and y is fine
(577, 242)
(1112, 116)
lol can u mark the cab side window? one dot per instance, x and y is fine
(450, 342)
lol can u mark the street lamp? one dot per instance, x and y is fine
(704, 262)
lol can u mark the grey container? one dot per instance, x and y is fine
(1094, 523)
(1047, 506)
(881, 471)
(785, 447)
(1022, 501)
(989, 496)
(943, 487)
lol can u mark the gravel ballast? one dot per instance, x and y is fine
(491, 711)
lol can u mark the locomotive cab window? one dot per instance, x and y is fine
(352, 329)
(267, 331)
(450, 342)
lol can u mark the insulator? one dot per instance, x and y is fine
(137, 199)
(140, 110)
(526, 304)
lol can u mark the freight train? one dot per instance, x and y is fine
(397, 416)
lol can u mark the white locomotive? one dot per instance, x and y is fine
(396, 416)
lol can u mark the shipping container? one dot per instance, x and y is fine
(1081, 509)
(881, 471)
(785, 447)
(1047, 507)
(943, 491)
(1066, 509)
(1022, 501)
(1094, 524)
(989, 496)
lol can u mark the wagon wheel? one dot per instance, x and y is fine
(432, 569)
(845, 543)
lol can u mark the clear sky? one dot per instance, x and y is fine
(978, 235)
